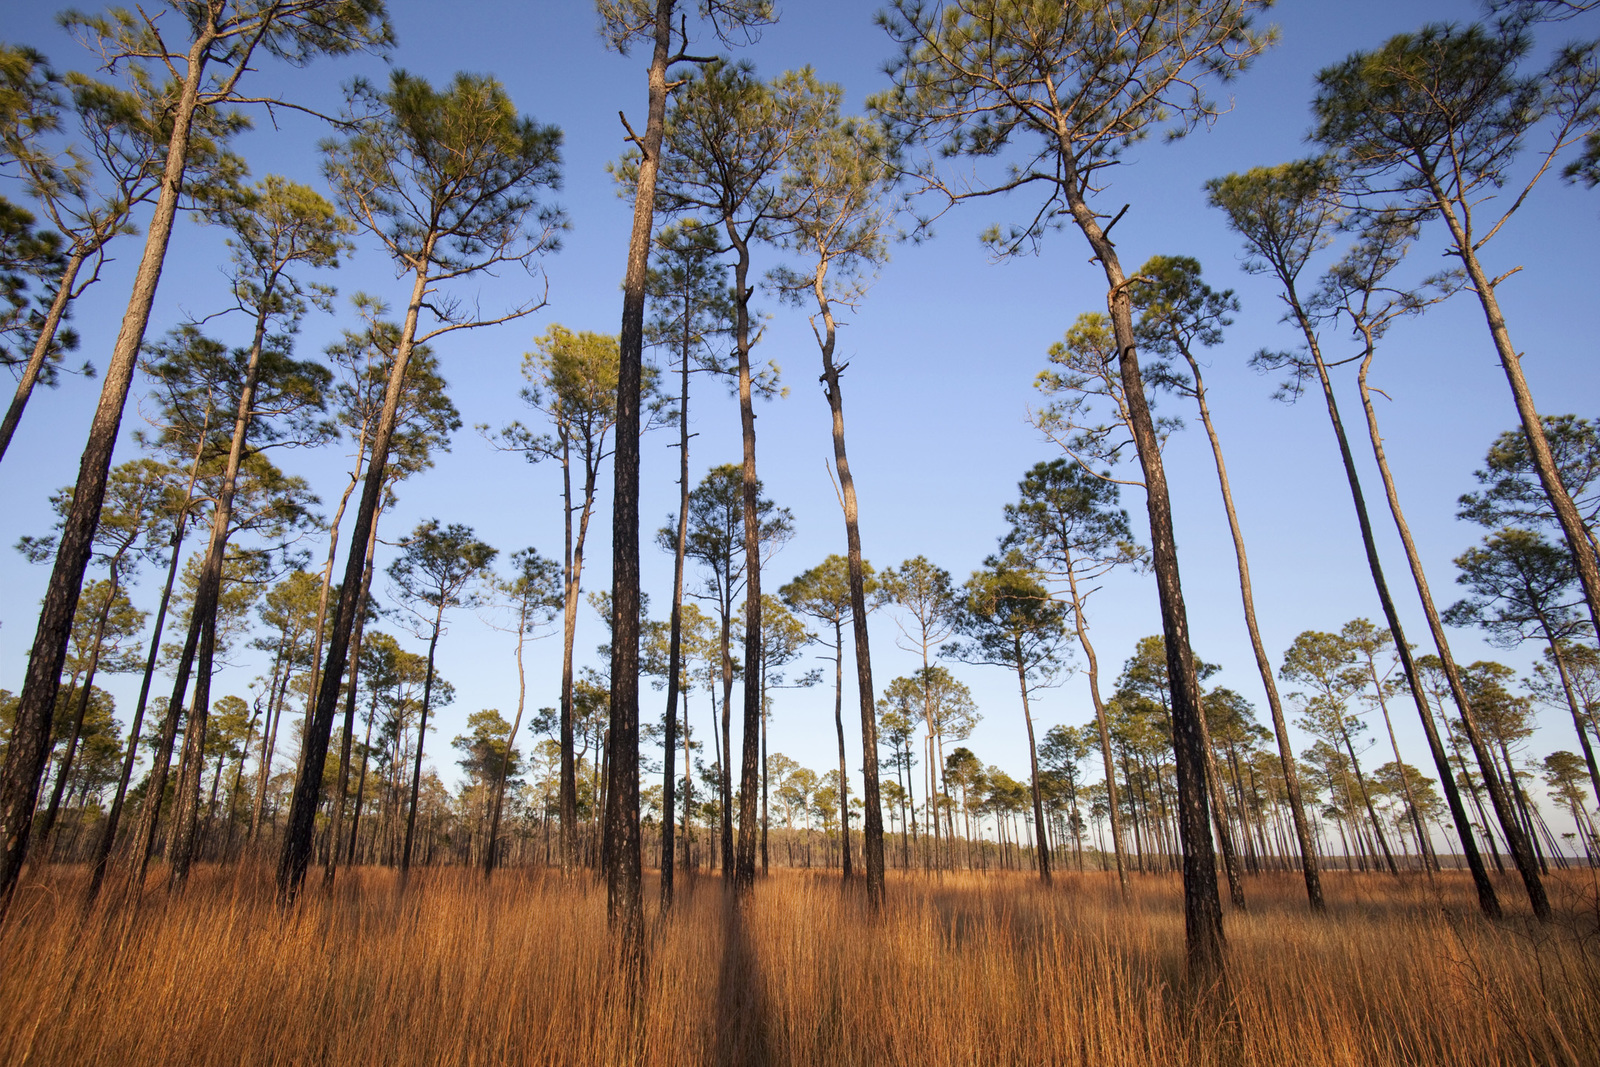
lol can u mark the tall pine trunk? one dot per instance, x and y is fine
(1042, 838)
(350, 712)
(489, 859)
(872, 814)
(846, 869)
(1572, 526)
(1523, 850)
(30, 738)
(422, 735)
(675, 642)
(624, 900)
(207, 595)
(1280, 728)
(1488, 901)
(1202, 906)
(295, 856)
(41, 347)
(108, 833)
(1114, 809)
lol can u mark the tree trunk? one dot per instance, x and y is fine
(1219, 818)
(1560, 659)
(108, 833)
(872, 822)
(47, 820)
(30, 738)
(846, 871)
(489, 858)
(1366, 800)
(1202, 906)
(569, 632)
(238, 782)
(1578, 536)
(296, 854)
(669, 776)
(350, 710)
(624, 902)
(1429, 861)
(41, 347)
(1523, 850)
(269, 738)
(1042, 847)
(1104, 728)
(1488, 900)
(208, 592)
(422, 735)
(333, 551)
(361, 784)
(744, 867)
(1280, 728)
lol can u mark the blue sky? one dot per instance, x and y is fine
(942, 357)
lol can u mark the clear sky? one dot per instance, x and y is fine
(942, 358)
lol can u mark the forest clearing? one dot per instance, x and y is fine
(967, 968)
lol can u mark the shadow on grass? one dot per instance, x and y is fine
(740, 1023)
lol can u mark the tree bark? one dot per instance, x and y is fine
(295, 856)
(846, 871)
(1577, 534)
(47, 819)
(208, 592)
(1042, 845)
(41, 348)
(422, 736)
(669, 782)
(108, 834)
(1202, 906)
(624, 890)
(1560, 659)
(30, 739)
(1280, 728)
(872, 814)
(1523, 850)
(1104, 728)
(350, 710)
(1488, 900)
(744, 866)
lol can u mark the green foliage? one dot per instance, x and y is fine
(1522, 587)
(688, 291)
(119, 648)
(275, 225)
(572, 381)
(1010, 620)
(484, 752)
(1286, 214)
(1440, 114)
(823, 592)
(1325, 664)
(623, 22)
(425, 416)
(1069, 80)
(716, 531)
(1512, 494)
(1067, 523)
(198, 385)
(435, 569)
(926, 593)
(447, 179)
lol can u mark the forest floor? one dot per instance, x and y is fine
(965, 968)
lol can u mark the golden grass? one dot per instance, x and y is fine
(967, 969)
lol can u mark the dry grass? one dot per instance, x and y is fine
(969, 969)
